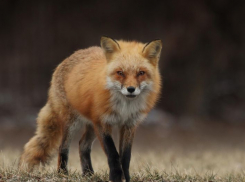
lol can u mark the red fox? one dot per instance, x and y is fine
(116, 84)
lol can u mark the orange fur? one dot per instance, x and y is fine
(78, 88)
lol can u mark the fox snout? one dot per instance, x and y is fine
(128, 90)
(131, 89)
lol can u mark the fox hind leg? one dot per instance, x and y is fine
(85, 145)
(68, 132)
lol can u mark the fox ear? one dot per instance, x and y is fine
(152, 50)
(109, 46)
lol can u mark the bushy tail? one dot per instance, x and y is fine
(47, 138)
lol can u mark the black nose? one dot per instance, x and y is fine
(131, 89)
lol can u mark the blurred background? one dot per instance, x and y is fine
(202, 62)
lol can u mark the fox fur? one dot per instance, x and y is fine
(91, 89)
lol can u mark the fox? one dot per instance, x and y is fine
(98, 88)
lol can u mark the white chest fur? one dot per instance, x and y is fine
(124, 110)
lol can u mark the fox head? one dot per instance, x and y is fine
(131, 66)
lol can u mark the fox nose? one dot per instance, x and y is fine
(131, 89)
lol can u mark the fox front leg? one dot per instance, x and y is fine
(125, 146)
(104, 135)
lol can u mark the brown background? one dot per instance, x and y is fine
(202, 62)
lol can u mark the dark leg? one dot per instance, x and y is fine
(85, 149)
(126, 141)
(104, 135)
(68, 133)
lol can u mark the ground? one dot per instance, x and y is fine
(202, 151)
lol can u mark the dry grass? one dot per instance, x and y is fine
(210, 155)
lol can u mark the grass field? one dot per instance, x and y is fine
(199, 153)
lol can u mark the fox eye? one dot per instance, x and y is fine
(141, 73)
(120, 73)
